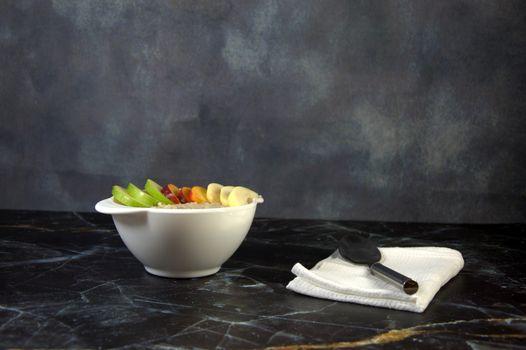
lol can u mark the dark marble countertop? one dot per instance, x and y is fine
(68, 281)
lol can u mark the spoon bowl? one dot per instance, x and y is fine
(362, 251)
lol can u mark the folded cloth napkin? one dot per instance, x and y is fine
(338, 279)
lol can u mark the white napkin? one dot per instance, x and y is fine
(338, 279)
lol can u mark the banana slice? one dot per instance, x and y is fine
(225, 192)
(240, 196)
(213, 192)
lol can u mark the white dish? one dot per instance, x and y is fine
(181, 243)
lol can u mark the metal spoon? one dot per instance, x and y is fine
(361, 251)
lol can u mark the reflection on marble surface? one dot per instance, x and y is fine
(67, 281)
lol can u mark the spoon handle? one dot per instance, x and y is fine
(407, 284)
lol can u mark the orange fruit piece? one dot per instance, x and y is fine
(198, 194)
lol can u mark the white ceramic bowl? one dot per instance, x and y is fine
(181, 243)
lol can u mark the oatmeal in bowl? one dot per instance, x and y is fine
(182, 232)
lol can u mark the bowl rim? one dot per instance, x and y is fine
(108, 206)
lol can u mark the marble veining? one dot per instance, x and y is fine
(68, 281)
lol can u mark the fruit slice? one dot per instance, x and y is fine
(213, 193)
(171, 191)
(173, 197)
(123, 197)
(141, 196)
(198, 194)
(240, 196)
(180, 196)
(170, 188)
(223, 195)
(185, 193)
(154, 189)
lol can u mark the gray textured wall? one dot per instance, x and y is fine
(375, 110)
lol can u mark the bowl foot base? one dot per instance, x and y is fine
(182, 274)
